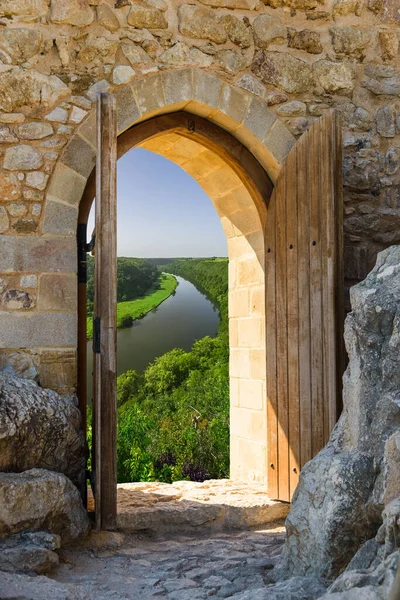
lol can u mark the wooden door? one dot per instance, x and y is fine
(304, 304)
(105, 317)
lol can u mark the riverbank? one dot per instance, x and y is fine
(129, 311)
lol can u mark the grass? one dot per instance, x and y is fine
(136, 309)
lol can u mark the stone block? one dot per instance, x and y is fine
(144, 16)
(58, 370)
(149, 94)
(258, 364)
(279, 141)
(251, 333)
(234, 102)
(259, 119)
(282, 70)
(39, 253)
(60, 219)
(248, 460)
(22, 157)
(251, 393)
(34, 329)
(178, 86)
(198, 22)
(206, 88)
(66, 185)
(57, 291)
(248, 424)
(127, 109)
(233, 332)
(246, 221)
(79, 156)
(257, 300)
(72, 12)
(239, 363)
(239, 303)
(88, 129)
(233, 391)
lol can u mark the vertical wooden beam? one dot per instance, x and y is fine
(271, 324)
(304, 302)
(105, 404)
(292, 320)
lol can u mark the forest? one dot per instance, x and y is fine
(141, 287)
(173, 419)
(135, 276)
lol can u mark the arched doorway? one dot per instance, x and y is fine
(235, 147)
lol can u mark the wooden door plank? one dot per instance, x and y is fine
(281, 316)
(305, 417)
(292, 320)
(105, 309)
(270, 309)
(328, 275)
(339, 274)
(314, 171)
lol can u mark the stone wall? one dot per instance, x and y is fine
(299, 57)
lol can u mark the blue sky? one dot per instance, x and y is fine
(162, 211)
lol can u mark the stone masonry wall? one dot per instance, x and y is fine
(301, 56)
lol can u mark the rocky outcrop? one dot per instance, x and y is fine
(40, 500)
(338, 503)
(371, 573)
(39, 428)
(30, 552)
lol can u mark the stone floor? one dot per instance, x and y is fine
(183, 567)
(185, 506)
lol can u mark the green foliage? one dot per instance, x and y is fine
(128, 385)
(128, 311)
(135, 276)
(173, 420)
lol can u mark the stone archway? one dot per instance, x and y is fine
(240, 200)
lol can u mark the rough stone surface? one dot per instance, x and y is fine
(198, 22)
(334, 77)
(307, 40)
(29, 552)
(146, 566)
(35, 131)
(73, 12)
(20, 88)
(145, 16)
(185, 506)
(266, 29)
(40, 500)
(123, 74)
(338, 503)
(22, 157)
(282, 70)
(38, 428)
(349, 41)
(21, 44)
(107, 17)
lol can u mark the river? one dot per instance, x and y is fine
(176, 323)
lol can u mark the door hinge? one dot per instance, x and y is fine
(83, 249)
(96, 335)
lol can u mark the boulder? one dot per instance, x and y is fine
(40, 500)
(29, 552)
(23, 587)
(338, 503)
(39, 428)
